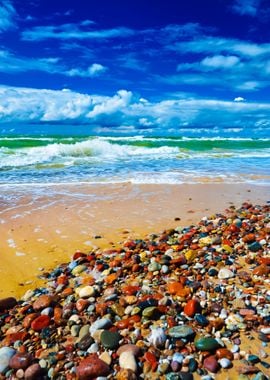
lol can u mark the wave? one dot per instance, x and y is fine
(58, 152)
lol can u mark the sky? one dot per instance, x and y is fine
(135, 65)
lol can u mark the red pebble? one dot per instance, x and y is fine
(128, 322)
(210, 363)
(40, 322)
(151, 358)
(192, 307)
(78, 255)
(130, 290)
(29, 319)
(92, 367)
(42, 302)
(20, 361)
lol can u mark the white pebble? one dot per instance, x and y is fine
(225, 273)
(265, 330)
(235, 348)
(86, 292)
(127, 361)
(225, 363)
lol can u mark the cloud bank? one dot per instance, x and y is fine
(124, 109)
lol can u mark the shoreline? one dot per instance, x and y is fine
(40, 231)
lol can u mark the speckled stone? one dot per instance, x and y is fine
(183, 331)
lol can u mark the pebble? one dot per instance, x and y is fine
(6, 354)
(100, 324)
(33, 372)
(110, 339)
(183, 331)
(185, 300)
(92, 367)
(86, 291)
(211, 364)
(40, 322)
(127, 361)
(225, 363)
(42, 302)
(192, 307)
(225, 273)
(206, 344)
(7, 303)
(20, 360)
(157, 337)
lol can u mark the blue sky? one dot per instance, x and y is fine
(135, 64)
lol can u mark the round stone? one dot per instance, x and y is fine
(210, 363)
(206, 344)
(86, 291)
(183, 331)
(225, 273)
(42, 302)
(225, 363)
(127, 361)
(32, 372)
(110, 339)
(20, 361)
(92, 367)
(40, 322)
(6, 354)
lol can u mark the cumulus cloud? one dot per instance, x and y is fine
(94, 70)
(7, 15)
(239, 99)
(124, 108)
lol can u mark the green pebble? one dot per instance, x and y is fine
(135, 310)
(206, 344)
(150, 312)
(110, 339)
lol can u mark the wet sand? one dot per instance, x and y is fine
(42, 227)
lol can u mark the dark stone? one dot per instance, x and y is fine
(85, 342)
(7, 303)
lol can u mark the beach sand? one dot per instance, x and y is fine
(42, 229)
(38, 231)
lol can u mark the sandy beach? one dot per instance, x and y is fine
(40, 229)
(38, 232)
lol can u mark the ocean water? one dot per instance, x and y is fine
(60, 154)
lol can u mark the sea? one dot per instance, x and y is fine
(34, 155)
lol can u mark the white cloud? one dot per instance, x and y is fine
(123, 108)
(79, 31)
(94, 70)
(7, 15)
(220, 61)
(246, 7)
(239, 99)
(220, 45)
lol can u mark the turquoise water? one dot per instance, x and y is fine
(191, 156)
